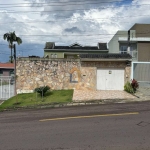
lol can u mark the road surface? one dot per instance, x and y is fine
(97, 127)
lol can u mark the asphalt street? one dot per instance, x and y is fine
(96, 127)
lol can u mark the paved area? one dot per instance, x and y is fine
(85, 95)
(1, 101)
(143, 93)
(98, 127)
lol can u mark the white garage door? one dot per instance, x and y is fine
(110, 79)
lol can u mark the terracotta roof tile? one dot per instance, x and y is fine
(6, 65)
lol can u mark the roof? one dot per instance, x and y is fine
(49, 45)
(137, 25)
(82, 48)
(76, 46)
(7, 65)
(106, 56)
(102, 46)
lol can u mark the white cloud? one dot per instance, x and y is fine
(97, 24)
(140, 2)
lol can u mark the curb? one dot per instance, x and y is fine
(81, 103)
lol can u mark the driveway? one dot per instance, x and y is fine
(87, 95)
(143, 91)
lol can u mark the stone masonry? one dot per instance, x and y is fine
(61, 73)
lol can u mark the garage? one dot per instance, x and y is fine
(110, 79)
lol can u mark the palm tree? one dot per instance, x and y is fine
(11, 37)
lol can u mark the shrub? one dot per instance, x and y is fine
(134, 85)
(128, 87)
(42, 90)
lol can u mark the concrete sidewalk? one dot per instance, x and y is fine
(143, 93)
(81, 98)
(89, 95)
(83, 103)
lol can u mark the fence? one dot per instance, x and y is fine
(6, 87)
(134, 54)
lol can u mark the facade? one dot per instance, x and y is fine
(135, 41)
(72, 51)
(6, 69)
(88, 72)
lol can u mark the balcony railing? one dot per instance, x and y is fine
(134, 54)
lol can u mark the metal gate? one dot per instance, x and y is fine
(6, 87)
(141, 72)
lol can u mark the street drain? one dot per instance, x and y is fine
(143, 124)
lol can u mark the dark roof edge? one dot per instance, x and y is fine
(7, 67)
(63, 50)
(105, 59)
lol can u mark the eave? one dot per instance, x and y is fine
(73, 50)
(102, 59)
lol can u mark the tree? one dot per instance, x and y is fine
(11, 37)
(11, 60)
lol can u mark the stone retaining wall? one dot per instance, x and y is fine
(60, 74)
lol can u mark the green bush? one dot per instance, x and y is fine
(128, 88)
(42, 90)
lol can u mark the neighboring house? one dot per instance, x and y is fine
(6, 69)
(135, 41)
(6, 80)
(72, 51)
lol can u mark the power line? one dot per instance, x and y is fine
(4, 53)
(61, 2)
(3, 44)
(77, 34)
(117, 34)
(52, 5)
(77, 19)
(47, 4)
(66, 9)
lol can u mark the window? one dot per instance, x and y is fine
(123, 49)
(53, 55)
(1, 73)
(11, 73)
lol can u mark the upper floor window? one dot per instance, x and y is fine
(53, 55)
(123, 49)
(132, 50)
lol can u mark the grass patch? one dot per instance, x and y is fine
(34, 99)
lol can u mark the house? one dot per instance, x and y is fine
(6, 69)
(112, 71)
(135, 41)
(72, 51)
(6, 80)
(103, 71)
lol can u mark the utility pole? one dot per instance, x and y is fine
(15, 68)
(128, 48)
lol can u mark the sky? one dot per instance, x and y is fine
(65, 22)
